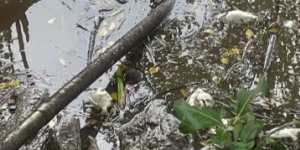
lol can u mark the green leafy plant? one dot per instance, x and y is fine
(194, 118)
(241, 130)
(119, 94)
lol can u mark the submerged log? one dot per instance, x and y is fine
(85, 78)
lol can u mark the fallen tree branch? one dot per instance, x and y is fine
(85, 78)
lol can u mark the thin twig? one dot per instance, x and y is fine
(92, 38)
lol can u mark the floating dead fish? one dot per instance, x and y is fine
(200, 98)
(237, 17)
(100, 100)
(286, 133)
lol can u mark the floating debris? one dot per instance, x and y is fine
(249, 34)
(229, 55)
(52, 20)
(153, 70)
(111, 23)
(237, 17)
(225, 60)
(10, 84)
(289, 24)
(62, 61)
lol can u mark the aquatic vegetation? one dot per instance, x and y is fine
(234, 127)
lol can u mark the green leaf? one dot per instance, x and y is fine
(244, 98)
(222, 137)
(251, 129)
(237, 130)
(262, 86)
(240, 146)
(194, 118)
(121, 88)
(120, 85)
(275, 144)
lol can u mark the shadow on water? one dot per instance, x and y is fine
(12, 14)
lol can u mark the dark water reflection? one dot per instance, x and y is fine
(14, 13)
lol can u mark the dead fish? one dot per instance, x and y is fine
(200, 98)
(237, 17)
(286, 133)
(101, 100)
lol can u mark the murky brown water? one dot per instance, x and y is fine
(187, 49)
